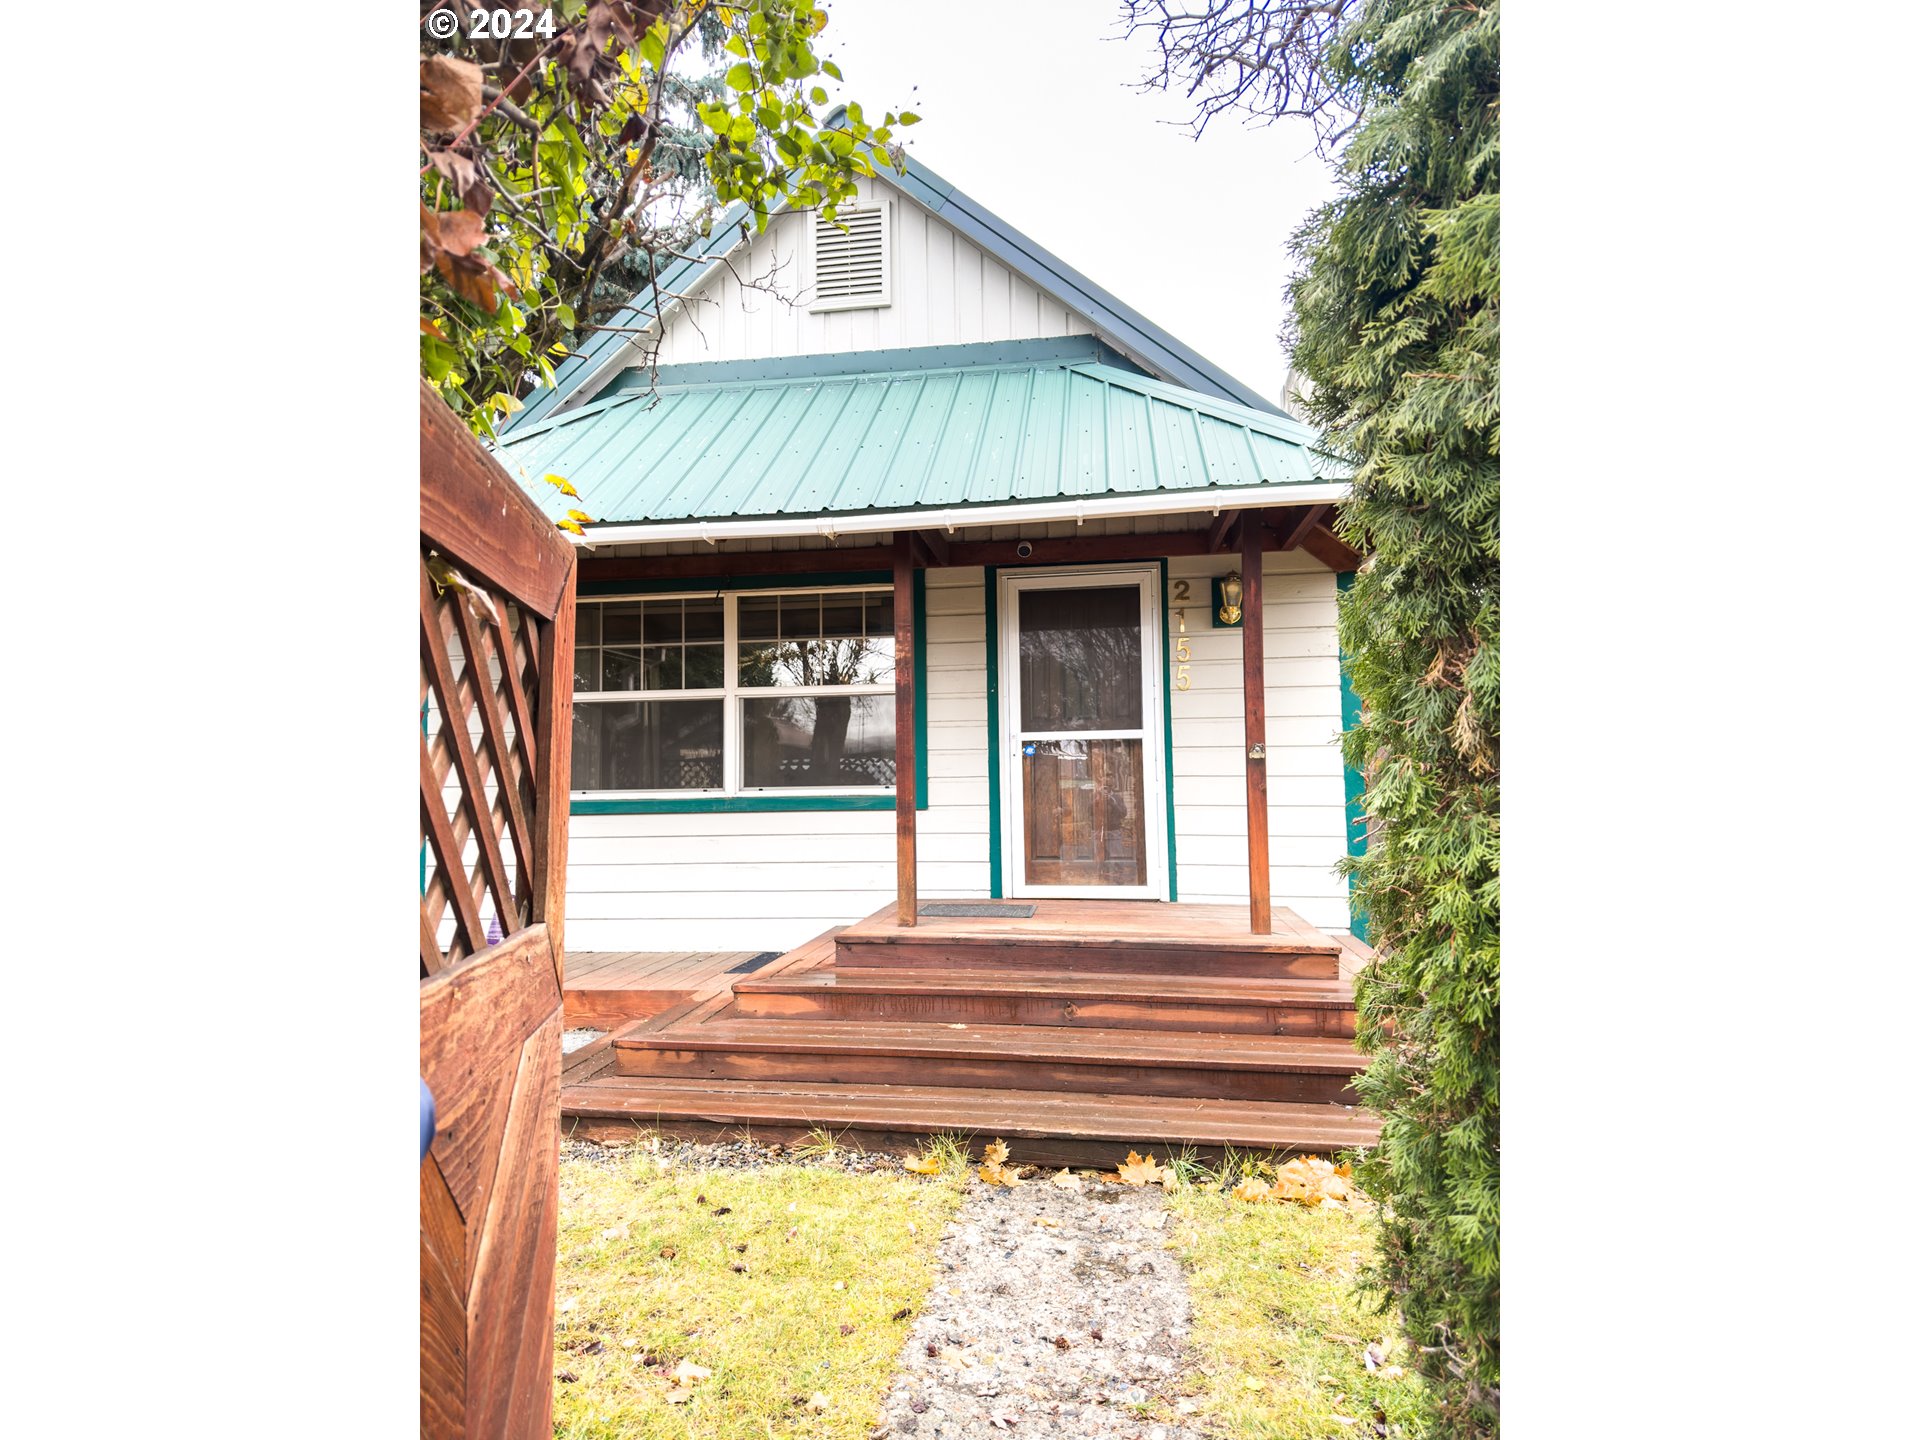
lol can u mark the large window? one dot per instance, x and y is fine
(758, 691)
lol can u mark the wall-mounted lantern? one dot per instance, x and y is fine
(1226, 601)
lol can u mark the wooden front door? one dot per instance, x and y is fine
(1084, 790)
(496, 690)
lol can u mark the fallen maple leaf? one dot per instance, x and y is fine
(1141, 1172)
(922, 1165)
(1252, 1188)
(994, 1174)
(1067, 1180)
(996, 1153)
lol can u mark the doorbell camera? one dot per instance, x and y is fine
(1024, 549)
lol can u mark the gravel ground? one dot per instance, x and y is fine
(732, 1155)
(1057, 1314)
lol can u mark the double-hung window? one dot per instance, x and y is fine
(738, 693)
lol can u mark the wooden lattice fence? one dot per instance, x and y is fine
(496, 667)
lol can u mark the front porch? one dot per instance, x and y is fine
(1068, 1027)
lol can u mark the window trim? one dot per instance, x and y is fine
(739, 799)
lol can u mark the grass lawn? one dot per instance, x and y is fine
(1280, 1337)
(793, 1285)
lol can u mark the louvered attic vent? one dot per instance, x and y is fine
(853, 268)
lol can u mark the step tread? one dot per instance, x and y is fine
(1050, 1043)
(1021, 1114)
(1336, 994)
(1102, 924)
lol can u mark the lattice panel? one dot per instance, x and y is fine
(479, 685)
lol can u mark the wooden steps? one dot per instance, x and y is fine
(1003, 1057)
(1083, 1029)
(1007, 997)
(1112, 937)
(1055, 1129)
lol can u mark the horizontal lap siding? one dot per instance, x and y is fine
(1306, 793)
(769, 881)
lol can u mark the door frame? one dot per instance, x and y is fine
(1153, 712)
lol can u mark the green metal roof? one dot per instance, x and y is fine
(759, 439)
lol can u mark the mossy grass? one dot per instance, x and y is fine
(786, 1282)
(1280, 1330)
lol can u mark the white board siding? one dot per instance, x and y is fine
(771, 880)
(945, 291)
(768, 881)
(1306, 789)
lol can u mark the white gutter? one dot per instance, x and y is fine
(1161, 502)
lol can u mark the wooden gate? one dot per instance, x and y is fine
(496, 683)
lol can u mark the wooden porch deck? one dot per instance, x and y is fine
(1080, 1028)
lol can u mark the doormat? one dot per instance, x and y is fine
(747, 967)
(977, 909)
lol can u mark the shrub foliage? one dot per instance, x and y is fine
(1396, 324)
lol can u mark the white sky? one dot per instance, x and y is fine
(1026, 107)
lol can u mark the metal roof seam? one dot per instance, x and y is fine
(846, 470)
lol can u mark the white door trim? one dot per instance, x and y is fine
(1152, 735)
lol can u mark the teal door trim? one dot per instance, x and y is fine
(1166, 715)
(993, 730)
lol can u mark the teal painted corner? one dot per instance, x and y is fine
(1355, 782)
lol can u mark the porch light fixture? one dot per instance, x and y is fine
(1230, 599)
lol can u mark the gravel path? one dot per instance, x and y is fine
(1057, 1314)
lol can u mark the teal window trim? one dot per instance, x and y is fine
(729, 804)
(993, 731)
(751, 804)
(1166, 712)
(1356, 784)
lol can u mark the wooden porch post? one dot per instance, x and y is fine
(1254, 672)
(904, 700)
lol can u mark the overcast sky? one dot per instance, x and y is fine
(1027, 108)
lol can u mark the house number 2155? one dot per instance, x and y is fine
(1182, 680)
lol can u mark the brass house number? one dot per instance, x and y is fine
(1182, 595)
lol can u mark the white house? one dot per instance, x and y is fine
(933, 415)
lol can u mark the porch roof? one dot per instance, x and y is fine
(904, 431)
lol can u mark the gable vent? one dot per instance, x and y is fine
(853, 268)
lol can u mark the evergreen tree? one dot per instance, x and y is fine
(1397, 324)
(1396, 328)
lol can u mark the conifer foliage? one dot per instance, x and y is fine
(1396, 327)
(1396, 323)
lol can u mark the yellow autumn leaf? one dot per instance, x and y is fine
(1141, 1172)
(562, 484)
(996, 1153)
(922, 1165)
(1000, 1175)
(570, 526)
(1067, 1180)
(1252, 1188)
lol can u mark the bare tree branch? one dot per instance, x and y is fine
(1262, 59)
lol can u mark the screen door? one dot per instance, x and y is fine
(1082, 720)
